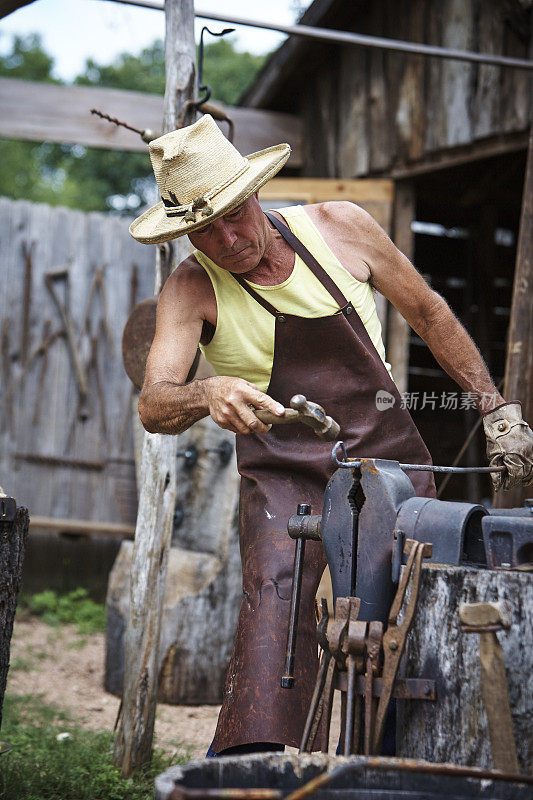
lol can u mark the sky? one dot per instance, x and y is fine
(74, 30)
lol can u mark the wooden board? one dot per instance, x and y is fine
(314, 190)
(47, 112)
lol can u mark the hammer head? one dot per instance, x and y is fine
(314, 415)
(482, 615)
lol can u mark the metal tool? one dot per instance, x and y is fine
(303, 410)
(508, 538)
(395, 636)
(486, 619)
(354, 463)
(351, 663)
(51, 279)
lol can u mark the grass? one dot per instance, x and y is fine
(75, 607)
(78, 767)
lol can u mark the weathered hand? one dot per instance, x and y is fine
(509, 444)
(229, 401)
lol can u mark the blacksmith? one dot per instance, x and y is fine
(283, 304)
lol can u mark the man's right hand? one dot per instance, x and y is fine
(229, 401)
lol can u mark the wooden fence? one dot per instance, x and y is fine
(66, 445)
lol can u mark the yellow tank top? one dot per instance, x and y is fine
(243, 343)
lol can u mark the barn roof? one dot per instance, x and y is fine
(269, 89)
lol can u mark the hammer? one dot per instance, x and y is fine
(302, 410)
(485, 619)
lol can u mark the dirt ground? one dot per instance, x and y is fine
(67, 669)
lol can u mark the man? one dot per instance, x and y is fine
(282, 304)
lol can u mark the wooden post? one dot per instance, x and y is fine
(158, 473)
(518, 382)
(398, 327)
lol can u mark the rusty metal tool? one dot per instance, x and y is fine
(315, 709)
(182, 793)
(51, 279)
(486, 619)
(287, 679)
(395, 636)
(354, 647)
(97, 285)
(374, 642)
(27, 253)
(303, 410)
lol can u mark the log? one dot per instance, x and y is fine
(203, 583)
(13, 536)
(133, 745)
(454, 728)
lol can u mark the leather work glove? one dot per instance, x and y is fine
(509, 444)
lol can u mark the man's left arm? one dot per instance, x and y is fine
(509, 438)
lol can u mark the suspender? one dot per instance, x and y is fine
(317, 269)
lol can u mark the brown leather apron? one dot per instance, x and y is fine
(332, 361)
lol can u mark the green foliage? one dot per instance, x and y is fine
(27, 60)
(76, 608)
(228, 72)
(142, 73)
(76, 767)
(93, 179)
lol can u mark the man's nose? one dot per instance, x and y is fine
(225, 233)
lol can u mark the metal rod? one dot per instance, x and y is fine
(346, 37)
(404, 765)
(355, 463)
(287, 679)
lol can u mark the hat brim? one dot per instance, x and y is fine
(154, 226)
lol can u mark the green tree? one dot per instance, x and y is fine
(94, 179)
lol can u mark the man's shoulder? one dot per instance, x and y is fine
(338, 212)
(189, 275)
(188, 286)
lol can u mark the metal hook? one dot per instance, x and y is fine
(201, 87)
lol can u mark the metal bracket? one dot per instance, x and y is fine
(8, 508)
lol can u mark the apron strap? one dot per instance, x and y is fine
(317, 269)
(257, 297)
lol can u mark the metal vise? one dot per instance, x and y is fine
(368, 513)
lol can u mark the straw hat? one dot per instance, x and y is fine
(201, 176)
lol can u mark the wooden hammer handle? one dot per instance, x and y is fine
(291, 415)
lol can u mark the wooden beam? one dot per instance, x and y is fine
(86, 527)
(464, 154)
(55, 113)
(518, 382)
(314, 190)
(157, 499)
(398, 328)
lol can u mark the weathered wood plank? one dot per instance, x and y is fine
(47, 112)
(354, 155)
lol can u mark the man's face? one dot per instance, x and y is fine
(237, 240)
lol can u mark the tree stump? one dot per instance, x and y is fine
(13, 536)
(203, 589)
(454, 727)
